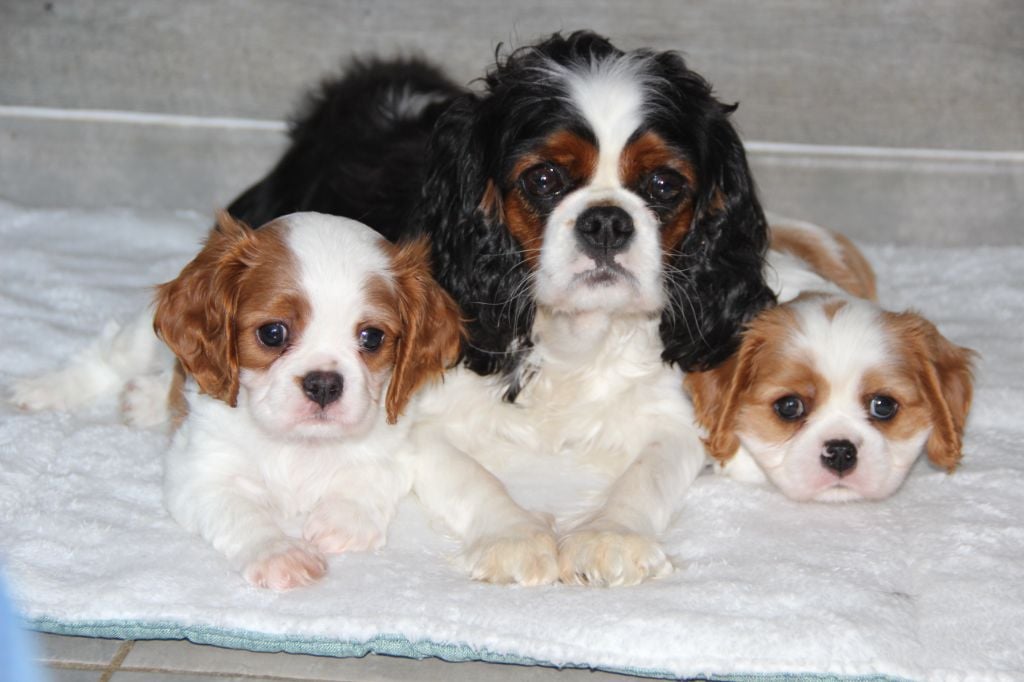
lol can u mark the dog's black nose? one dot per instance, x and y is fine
(840, 456)
(323, 388)
(603, 231)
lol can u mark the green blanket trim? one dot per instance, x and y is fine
(386, 645)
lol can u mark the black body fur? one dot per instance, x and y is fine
(355, 151)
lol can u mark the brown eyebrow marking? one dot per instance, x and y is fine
(645, 154)
(564, 148)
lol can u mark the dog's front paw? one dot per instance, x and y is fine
(344, 526)
(285, 564)
(144, 400)
(526, 554)
(610, 557)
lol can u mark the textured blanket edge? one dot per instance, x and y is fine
(384, 645)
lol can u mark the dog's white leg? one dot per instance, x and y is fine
(254, 543)
(354, 513)
(120, 354)
(618, 545)
(213, 487)
(243, 530)
(502, 542)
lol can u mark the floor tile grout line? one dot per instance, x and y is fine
(65, 665)
(115, 662)
(255, 677)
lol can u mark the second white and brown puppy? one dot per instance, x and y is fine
(830, 397)
(303, 341)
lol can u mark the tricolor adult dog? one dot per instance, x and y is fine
(593, 214)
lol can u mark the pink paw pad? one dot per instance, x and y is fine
(293, 567)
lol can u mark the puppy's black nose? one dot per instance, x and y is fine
(840, 456)
(323, 388)
(603, 231)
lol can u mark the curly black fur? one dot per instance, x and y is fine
(715, 278)
(475, 144)
(475, 257)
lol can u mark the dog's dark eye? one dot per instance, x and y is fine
(371, 339)
(272, 335)
(789, 407)
(882, 407)
(543, 181)
(664, 186)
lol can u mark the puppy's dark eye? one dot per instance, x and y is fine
(664, 186)
(543, 181)
(273, 335)
(882, 407)
(789, 407)
(371, 339)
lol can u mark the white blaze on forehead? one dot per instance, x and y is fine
(844, 346)
(609, 95)
(336, 256)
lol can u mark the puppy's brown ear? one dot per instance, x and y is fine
(946, 381)
(710, 391)
(432, 330)
(195, 313)
(717, 394)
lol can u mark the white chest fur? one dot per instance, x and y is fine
(596, 394)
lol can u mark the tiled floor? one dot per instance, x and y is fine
(81, 659)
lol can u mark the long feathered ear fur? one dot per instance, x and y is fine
(718, 394)
(195, 312)
(714, 278)
(475, 257)
(945, 378)
(432, 327)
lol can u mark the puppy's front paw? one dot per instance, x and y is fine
(144, 401)
(285, 564)
(526, 554)
(344, 526)
(610, 557)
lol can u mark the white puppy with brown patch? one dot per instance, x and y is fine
(830, 397)
(302, 342)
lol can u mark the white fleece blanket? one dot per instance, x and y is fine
(928, 584)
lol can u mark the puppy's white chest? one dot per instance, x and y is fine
(296, 479)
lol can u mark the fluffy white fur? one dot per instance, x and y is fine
(275, 503)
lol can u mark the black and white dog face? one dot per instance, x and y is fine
(587, 180)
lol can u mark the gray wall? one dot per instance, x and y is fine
(893, 121)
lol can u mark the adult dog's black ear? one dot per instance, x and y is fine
(714, 279)
(475, 257)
